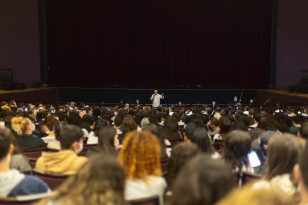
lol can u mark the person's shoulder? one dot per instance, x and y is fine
(30, 185)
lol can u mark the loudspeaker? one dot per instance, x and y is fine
(6, 85)
(6, 76)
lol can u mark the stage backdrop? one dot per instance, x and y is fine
(215, 43)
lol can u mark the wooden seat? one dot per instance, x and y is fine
(153, 200)
(23, 200)
(53, 180)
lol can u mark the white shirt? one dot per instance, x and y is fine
(138, 188)
(156, 100)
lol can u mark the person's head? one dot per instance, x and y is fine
(71, 138)
(99, 124)
(201, 138)
(152, 128)
(202, 181)
(171, 124)
(237, 146)
(214, 122)
(303, 133)
(255, 196)
(106, 139)
(143, 149)
(155, 91)
(99, 181)
(282, 154)
(118, 120)
(51, 122)
(6, 146)
(301, 171)
(189, 129)
(129, 124)
(224, 125)
(22, 125)
(268, 123)
(144, 122)
(181, 154)
(297, 119)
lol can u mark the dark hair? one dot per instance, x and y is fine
(224, 125)
(282, 154)
(181, 154)
(129, 124)
(255, 133)
(237, 146)
(69, 134)
(297, 119)
(303, 164)
(202, 181)
(106, 140)
(303, 130)
(99, 124)
(268, 123)
(118, 120)
(5, 141)
(214, 121)
(201, 138)
(239, 125)
(152, 128)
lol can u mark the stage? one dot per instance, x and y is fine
(113, 96)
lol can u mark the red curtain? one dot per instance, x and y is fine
(214, 43)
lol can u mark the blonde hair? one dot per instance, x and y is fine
(19, 124)
(255, 196)
(100, 181)
(140, 155)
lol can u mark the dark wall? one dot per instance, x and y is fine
(215, 43)
(19, 39)
(292, 42)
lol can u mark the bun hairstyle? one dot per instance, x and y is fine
(19, 125)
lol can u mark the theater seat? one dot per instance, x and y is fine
(153, 200)
(23, 200)
(53, 180)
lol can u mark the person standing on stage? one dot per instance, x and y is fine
(156, 99)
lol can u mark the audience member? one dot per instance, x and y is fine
(23, 127)
(99, 181)
(66, 161)
(12, 182)
(140, 158)
(202, 181)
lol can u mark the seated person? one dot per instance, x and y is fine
(12, 182)
(66, 161)
(140, 158)
(23, 127)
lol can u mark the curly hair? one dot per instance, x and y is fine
(140, 155)
(100, 181)
(19, 124)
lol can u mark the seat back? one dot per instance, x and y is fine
(33, 155)
(53, 180)
(219, 146)
(153, 200)
(23, 200)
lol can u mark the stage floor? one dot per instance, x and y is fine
(172, 96)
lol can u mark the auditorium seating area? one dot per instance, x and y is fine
(236, 144)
